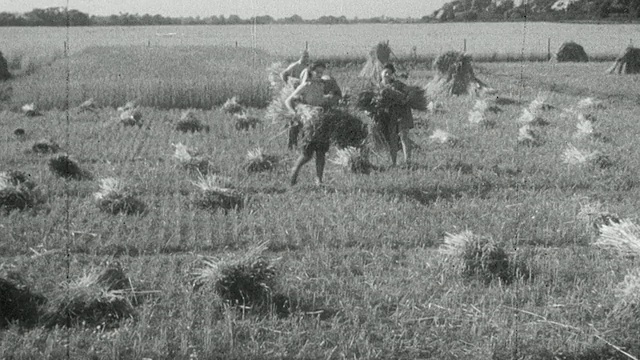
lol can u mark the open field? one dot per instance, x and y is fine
(346, 41)
(358, 258)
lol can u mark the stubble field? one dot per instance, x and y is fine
(357, 260)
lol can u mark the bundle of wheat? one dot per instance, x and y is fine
(478, 117)
(627, 296)
(218, 193)
(45, 146)
(483, 106)
(595, 217)
(348, 130)
(573, 156)
(87, 106)
(131, 117)
(258, 161)
(245, 122)
(189, 122)
(455, 76)
(30, 110)
(571, 52)
(622, 237)
(377, 57)
(20, 133)
(590, 103)
(442, 137)
(532, 118)
(355, 160)
(540, 103)
(191, 160)
(627, 63)
(482, 257)
(114, 198)
(100, 299)
(17, 192)
(18, 305)
(277, 111)
(231, 106)
(65, 167)
(247, 281)
(529, 137)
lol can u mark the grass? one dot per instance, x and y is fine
(358, 258)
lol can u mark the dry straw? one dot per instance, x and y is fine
(355, 160)
(258, 161)
(595, 217)
(131, 117)
(217, 192)
(189, 122)
(627, 294)
(16, 193)
(94, 299)
(114, 198)
(590, 103)
(191, 160)
(622, 237)
(231, 106)
(247, 280)
(528, 136)
(442, 137)
(574, 156)
(31, 110)
(482, 257)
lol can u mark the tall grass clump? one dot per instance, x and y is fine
(182, 77)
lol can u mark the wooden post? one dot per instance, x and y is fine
(465, 45)
(148, 43)
(236, 43)
(548, 49)
(306, 45)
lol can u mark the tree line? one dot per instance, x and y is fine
(57, 16)
(457, 10)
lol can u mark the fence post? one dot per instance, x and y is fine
(236, 43)
(465, 45)
(548, 49)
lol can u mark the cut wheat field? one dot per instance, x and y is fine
(396, 264)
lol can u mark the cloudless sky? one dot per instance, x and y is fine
(308, 9)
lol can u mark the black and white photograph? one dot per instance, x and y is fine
(335, 180)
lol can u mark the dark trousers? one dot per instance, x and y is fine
(294, 131)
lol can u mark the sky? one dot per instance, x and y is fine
(308, 9)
